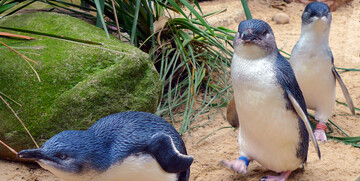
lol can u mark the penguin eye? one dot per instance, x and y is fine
(63, 156)
(264, 33)
(307, 13)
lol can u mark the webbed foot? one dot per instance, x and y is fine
(319, 132)
(240, 165)
(282, 177)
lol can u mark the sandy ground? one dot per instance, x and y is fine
(339, 161)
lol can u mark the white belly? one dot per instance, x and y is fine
(316, 80)
(133, 168)
(268, 132)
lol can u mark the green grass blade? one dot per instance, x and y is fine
(7, 6)
(86, 15)
(100, 15)
(73, 5)
(52, 35)
(353, 141)
(99, 6)
(202, 139)
(21, 7)
(246, 9)
(3, 2)
(338, 128)
(347, 69)
(177, 7)
(151, 19)
(6, 96)
(214, 13)
(332, 123)
(198, 6)
(349, 139)
(282, 51)
(133, 29)
(197, 15)
(344, 104)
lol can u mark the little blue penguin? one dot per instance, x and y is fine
(313, 65)
(127, 146)
(273, 125)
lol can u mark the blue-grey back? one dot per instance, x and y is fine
(286, 78)
(123, 134)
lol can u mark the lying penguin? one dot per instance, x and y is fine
(313, 64)
(273, 125)
(127, 146)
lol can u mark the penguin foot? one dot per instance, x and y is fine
(320, 135)
(239, 166)
(319, 132)
(282, 177)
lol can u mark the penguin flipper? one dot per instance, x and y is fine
(305, 119)
(231, 114)
(169, 158)
(344, 91)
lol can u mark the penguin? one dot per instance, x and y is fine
(127, 146)
(313, 65)
(273, 126)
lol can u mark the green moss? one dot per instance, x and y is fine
(79, 83)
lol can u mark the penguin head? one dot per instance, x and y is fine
(254, 39)
(316, 14)
(67, 153)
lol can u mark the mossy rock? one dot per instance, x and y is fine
(80, 83)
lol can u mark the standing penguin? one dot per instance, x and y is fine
(273, 125)
(313, 65)
(128, 146)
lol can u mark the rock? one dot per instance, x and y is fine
(80, 83)
(281, 18)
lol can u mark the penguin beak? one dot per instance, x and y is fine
(247, 36)
(35, 154)
(322, 14)
(31, 154)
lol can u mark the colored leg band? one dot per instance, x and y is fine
(321, 126)
(245, 160)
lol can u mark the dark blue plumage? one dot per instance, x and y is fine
(114, 138)
(286, 78)
(132, 131)
(253, 31)
(257, 26)
(313, 9)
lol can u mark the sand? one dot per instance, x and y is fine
(339, 161)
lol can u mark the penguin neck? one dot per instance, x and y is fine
(99, 150)
(251, 52)
(316, 32)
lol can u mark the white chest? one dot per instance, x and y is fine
(254, 73)
(133, 168)
(312, 66)
(137, 168)
(311, 59)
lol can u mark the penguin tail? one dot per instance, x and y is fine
(169, 158)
